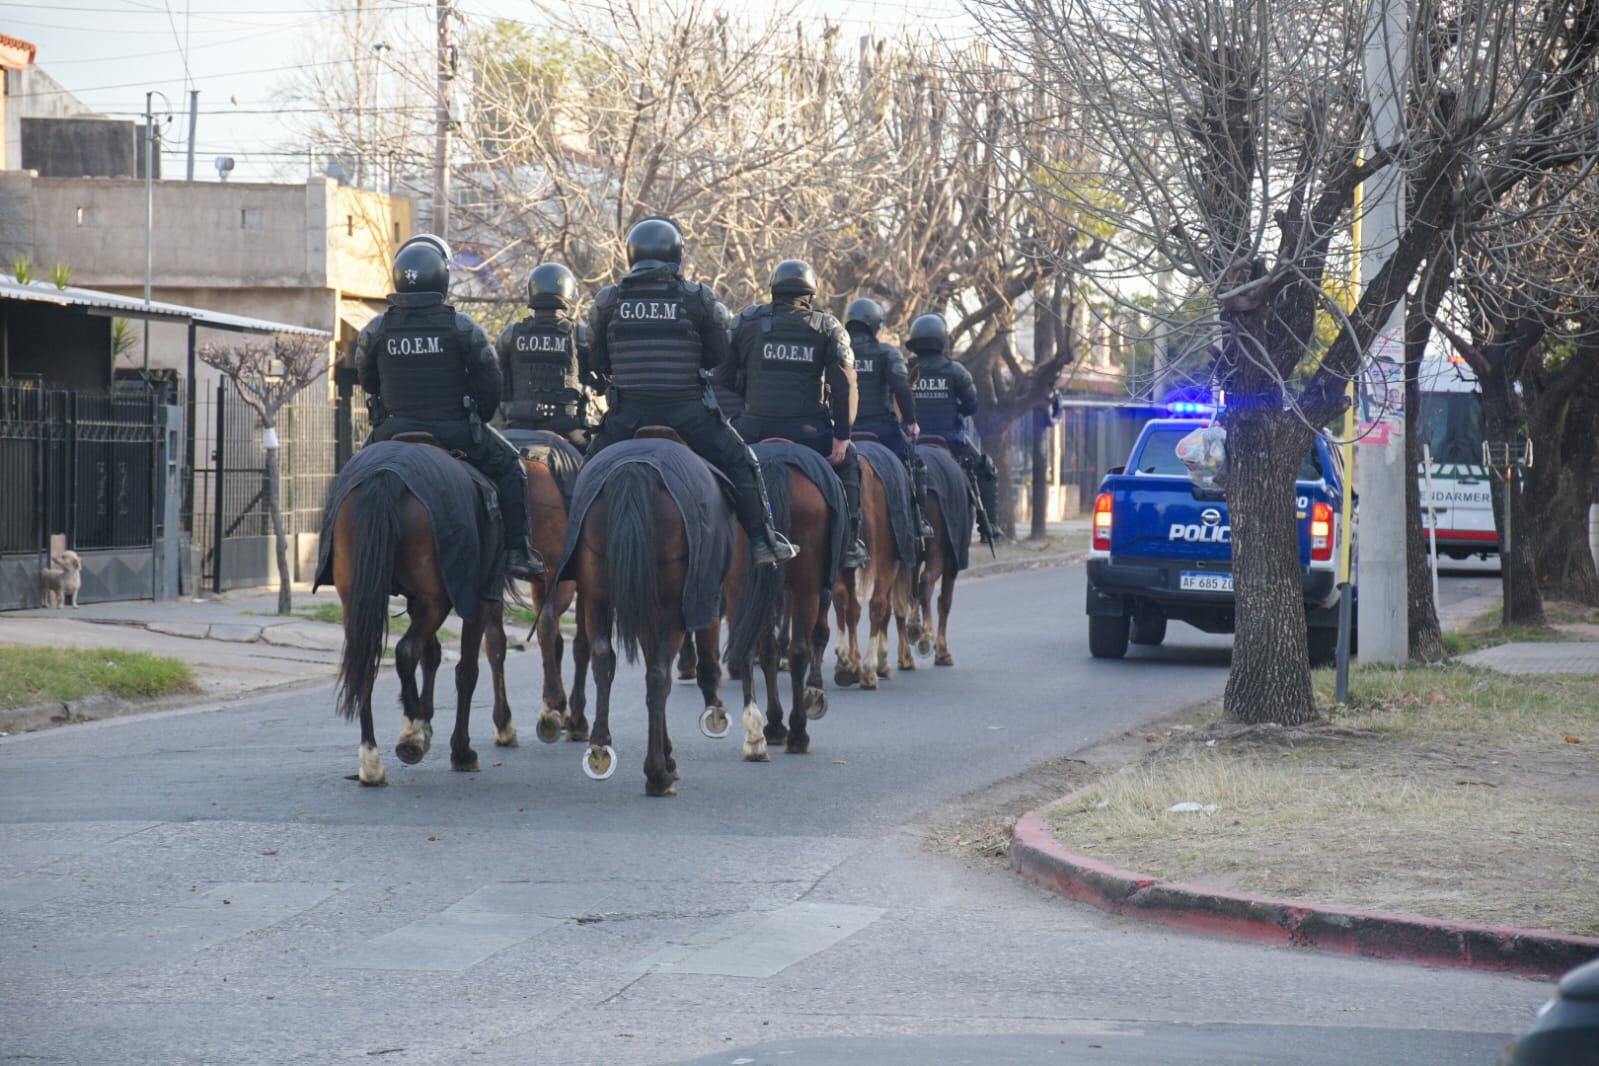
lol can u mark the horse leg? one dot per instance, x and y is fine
(576, 722)
(688, 662)
(922, 617)
(551, 645)
(416, 731)
(876, 664)
(820, 635)
(846, 657)
(659, 649)
(775, 731)
(799, 659)
(462, 757)
(902, 610)
(494, 639)
(371, 772)
(754, 722)
(946, 597)
(708, 673)
(432, 656)
(600, 755)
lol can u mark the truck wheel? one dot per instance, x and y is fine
(1323, 646)
(1107, 636)
(1150, 631)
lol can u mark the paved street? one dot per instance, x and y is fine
(208, 887)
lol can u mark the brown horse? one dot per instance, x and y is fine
(880, 584)
(800, 513)
(939, 565)
(632, 560)
(546, 509)
(383, 540)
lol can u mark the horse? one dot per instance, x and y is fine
(547, 516)
(883, 583)
(382, 538)
(801, 512)
(948, 505)
(630, 553)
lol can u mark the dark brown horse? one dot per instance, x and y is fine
(382, 540)
(546, 509)
(880, 584)
(632, 560)
(939, 565)
(800, 513)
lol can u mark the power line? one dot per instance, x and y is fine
(206, 77)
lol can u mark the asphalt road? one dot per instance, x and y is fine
(209, 887)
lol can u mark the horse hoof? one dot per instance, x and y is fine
(907, 666)
(599, 763)
(506, 738)
(653, 789)
(869, 683)
(409, 752)
(548, 728)
(467, 764)
(714, 721)
(782, 665)
(844, 678)
(944, 658)
(815, 703)
(924, 647)
(775, 734)
(371, 773)
(754, 739)
(798, 744)
(578, 734)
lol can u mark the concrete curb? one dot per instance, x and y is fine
(1012, 566)
(1037, 856)
(37, 717)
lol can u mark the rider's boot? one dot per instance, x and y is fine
(521, 561)
(849, 473)
(768, 547)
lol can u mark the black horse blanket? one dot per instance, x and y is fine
(947, 480)
(461, 503)
(901, 505)
(696, 488)
(555, 452)
(776, 458)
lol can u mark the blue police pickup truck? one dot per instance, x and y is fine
(1161, 547)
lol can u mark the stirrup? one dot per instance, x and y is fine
(771, 549)
(855, 555)
(524, 564)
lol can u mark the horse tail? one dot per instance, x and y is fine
(630, 493)
(763, 591)
(366, 616)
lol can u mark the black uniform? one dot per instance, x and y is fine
(782, 353)
(430, 369)
(884, 384)
(545, 362)
(945, 398)
(652, 335)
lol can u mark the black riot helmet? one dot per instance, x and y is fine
(654, 240)
(551, 285)
(435, 241)
(792, 277)
(929, 333)
(422, 265)
(866, 313)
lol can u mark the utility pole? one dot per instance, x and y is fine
(1384, 613)
(149, 218)
(194, 120)
(361, 52)
(441, 130)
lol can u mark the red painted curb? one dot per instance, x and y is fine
(1037, 856)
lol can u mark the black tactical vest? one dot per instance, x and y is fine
(934, 390)
(783, 374)
(872, 360)
(731, 403)
(544, 377)
(422, 363)
(655, 344)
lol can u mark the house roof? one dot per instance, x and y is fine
(16, 53)
(113, 304)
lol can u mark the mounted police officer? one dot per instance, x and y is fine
(653, 334)
(544, 359)
(428, 368)
(945, 398)
(884, 386)
(783, 353)
(731, 403)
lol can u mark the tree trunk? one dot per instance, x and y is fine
(1040, 501)
(279, 536)
(1559, 490)
(1523, 605)
(996, 445)
(1426, 639)
(1270, 676)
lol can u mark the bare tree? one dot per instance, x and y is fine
(1227, 140)
(268, 376)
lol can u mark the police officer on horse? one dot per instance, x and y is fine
(544, 359)
(428, 368)
(653, 333)
(887, 407)
(945, 398)
(783, 353)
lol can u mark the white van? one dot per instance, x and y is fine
(1450, 424)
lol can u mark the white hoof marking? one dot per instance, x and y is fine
(754, 734)
(371, 772)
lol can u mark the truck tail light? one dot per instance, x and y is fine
(1321, 538)
(1102, 522)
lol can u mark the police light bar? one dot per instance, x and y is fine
(1190, 409)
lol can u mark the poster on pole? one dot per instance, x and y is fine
(1382, 389)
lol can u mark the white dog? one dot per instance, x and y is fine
(63, 580)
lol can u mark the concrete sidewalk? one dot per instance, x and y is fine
(1541, 657)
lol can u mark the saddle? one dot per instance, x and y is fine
(933, 439)
(659, 433)
(861, 435)
(417, 436)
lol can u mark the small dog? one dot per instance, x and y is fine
(63, 580)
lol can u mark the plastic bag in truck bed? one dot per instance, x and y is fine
(1204, 453)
